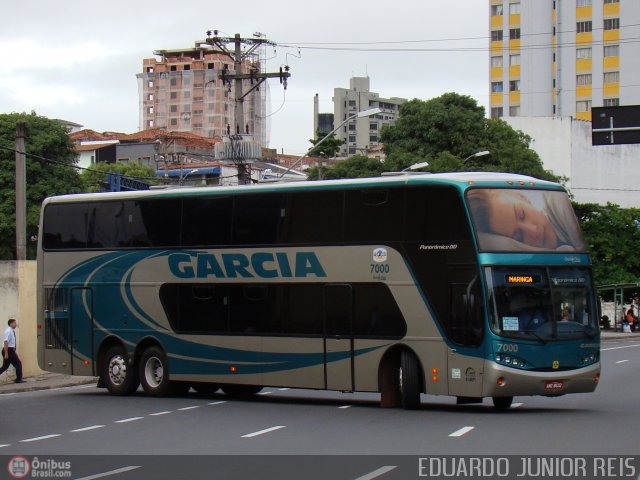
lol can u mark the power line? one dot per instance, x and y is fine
(77, 167)
(631, 40)
(451, 39)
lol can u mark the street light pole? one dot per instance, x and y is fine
(477, 154)
(363, 113)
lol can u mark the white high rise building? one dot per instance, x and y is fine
(559, 58)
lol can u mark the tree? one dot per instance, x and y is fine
(444, 131)
(358, 166)
(612, 234)
(329, 148)
(45, 138)
(94, 177)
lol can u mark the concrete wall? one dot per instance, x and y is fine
(18, 299)
(599, 174)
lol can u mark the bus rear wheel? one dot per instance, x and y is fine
(409, 381)
(118, 374)
(502, 403)
(154, 372)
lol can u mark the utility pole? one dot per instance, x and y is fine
(255, 77)
(21, 194)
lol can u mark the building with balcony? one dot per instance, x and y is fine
(559, 58)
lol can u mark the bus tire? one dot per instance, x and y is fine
(502, 403)
(409, 381)
(154, 373)
(118, 373)
(241, 391)
(205, 388)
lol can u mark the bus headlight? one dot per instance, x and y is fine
(589, 359)
(511, 361)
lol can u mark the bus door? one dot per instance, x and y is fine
(57, 331)
(465, 331)
(338, 340)
(81, 314)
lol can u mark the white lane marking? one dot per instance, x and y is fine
(283, 389)
(6, 445)
(619, 348)
(44, 437)
(188, 408)
(159, 413)
(516, 405)
(622, 361)
(132, 419)
(112, 472)
(7, 394)
(345, 406)
(261, 432)
(377, 473)
(265, 393)
(217, 403)
(93, 427)
(462, 431)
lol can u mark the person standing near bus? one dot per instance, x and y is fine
(9, 353)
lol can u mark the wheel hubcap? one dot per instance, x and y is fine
(153, 372)
(117, 370)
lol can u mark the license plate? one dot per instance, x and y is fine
(554, 385)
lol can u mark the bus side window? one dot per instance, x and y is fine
(465, 320)
(376, 313)
(374, 215)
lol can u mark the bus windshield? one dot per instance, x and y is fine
(541, 303)
(510, 220)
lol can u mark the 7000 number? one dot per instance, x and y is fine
(379, 268)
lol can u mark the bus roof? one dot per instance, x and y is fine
(461, 180)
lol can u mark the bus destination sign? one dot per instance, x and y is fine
(521, 279)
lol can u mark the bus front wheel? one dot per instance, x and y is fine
(409, 380)
(154, 372)
(502, 403)
(118, 374)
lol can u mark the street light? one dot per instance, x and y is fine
(477, 154)
(362, 114)
(416, 166)
(182, 179)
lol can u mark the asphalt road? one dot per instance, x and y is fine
(88, 421)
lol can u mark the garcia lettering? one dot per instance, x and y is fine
(238, 265)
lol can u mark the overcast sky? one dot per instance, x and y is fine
(78, 61)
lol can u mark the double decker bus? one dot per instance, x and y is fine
(471, 285)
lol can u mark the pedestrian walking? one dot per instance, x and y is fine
(9, 353)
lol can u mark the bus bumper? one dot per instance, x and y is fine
(501, 381)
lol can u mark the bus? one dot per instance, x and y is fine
(471, 285)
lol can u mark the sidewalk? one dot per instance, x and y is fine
(56, 380)
(44, 382)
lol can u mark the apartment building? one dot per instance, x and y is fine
(360, 134)
(181, 90)
(560, 58)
